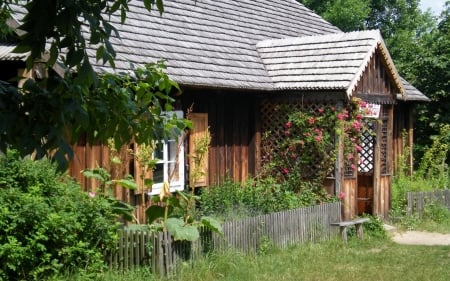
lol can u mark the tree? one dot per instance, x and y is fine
(432, 76)
(348, 15)
(419, 45)
(45, 117)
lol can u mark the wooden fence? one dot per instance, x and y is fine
(418, 200)
(248, 235)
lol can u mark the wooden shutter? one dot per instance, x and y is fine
(199, 131)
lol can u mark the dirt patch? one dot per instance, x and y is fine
(420, 238)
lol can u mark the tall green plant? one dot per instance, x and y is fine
(173, 212)
(48, 225)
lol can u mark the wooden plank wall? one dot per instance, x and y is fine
(349, 187)
(231, 118)
(376, 83)
(88, 157)
(403, 136)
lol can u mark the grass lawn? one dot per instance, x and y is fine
(370, 259)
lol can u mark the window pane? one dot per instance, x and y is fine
(159, 152)
(158, 173)
(173, 150)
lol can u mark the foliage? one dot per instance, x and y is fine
(348, 15)
(434, 165)
(56, 111)
(47, 224)
(433, 174)
(375, 227)
(60, 23)
(330, 260)
(175, 213)
(307, 153)
(231, 200)
(132, 102)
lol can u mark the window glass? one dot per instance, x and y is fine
(168, 153)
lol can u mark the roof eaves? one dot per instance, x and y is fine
(14, 24)
(362, 67)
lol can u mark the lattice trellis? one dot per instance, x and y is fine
(274, 115)
(366, 155)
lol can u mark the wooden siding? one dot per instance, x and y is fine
(376, 84)
(349, 188)
(382, 197)
(403, 136)
(231, 118)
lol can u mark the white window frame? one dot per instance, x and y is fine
(166, 162)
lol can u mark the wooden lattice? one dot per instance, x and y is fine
(366, 155)
(274, 115)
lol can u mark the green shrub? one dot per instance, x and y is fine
(231, 200)
(47, 224)
(436, 212)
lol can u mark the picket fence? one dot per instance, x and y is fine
(248, 235)
(418, 200)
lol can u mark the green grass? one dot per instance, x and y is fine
(370, 259)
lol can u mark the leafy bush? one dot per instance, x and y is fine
(232, 200)
(437, 213)
(47, 224)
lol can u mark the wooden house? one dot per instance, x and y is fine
(237, 62)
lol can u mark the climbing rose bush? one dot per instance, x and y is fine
(307, 153)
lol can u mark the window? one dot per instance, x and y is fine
(170, 165)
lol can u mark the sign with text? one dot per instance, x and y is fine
(371, 110)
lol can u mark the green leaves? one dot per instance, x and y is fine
(61, 110)
(181, 231)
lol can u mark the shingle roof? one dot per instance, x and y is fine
(217, 43)
(412, 93)
(7, 54)
(332, 61)
(211, 42)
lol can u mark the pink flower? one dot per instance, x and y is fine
(91, 194)
(340, 116)
(362, 104)
(358, 148)
(294, 156)
(350, 156)
(318, 138)
(321, 110)
(357, 125)
(341, 195)
(287, 133)
(288, 125)
(291, 148)
(311, 120)
(353, 167)
(359, 116)
(285, 171)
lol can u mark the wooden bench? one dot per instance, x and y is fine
(356, 222)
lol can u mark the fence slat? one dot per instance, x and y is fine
(416, 201)
(246, 235)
